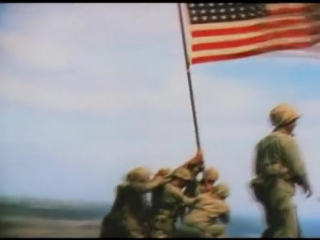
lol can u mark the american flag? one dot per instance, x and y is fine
(225, 31)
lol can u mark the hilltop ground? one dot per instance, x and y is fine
(30, 218)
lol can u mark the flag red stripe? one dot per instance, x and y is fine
(250, 53)
(249, 29)
(257, 39)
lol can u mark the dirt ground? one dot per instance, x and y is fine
(48, 228)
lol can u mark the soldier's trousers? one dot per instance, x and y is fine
(281, 223)
(280, 215)
(205, 230)
(122, 228)
(162, 227)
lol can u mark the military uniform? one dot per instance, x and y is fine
(157, 192)
(278, 167)
(196, 187)
(210, 215)
(170, 199)
(130, 212)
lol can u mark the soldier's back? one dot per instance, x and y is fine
(269, 153)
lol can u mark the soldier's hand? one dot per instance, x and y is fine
(164, 179)
(307, 191)
(306, 186)
(199, 156)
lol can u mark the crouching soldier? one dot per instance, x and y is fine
(209, 217)
(195, 187)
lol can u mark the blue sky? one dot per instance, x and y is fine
(89, 91)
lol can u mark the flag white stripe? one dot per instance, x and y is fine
(236, 37)
(255, 46)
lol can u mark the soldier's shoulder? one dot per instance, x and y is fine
(266, 139)
(171, 188)
(284, 139)
(275, 137)
(122, 186)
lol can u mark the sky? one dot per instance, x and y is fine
(90, 91)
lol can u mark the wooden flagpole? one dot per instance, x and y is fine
(193, 107)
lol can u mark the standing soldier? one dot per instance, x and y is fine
(278, 168)
(130, 212)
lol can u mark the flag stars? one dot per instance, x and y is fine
(222, 12)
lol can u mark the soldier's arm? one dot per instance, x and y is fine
(222, 208)
(178, 194)
(148, 186)
(221, 211)
(191, 188)
(194, 165)
(255, 167)
(225, 218)
(293, 158)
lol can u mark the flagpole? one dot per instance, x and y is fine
(193, 107)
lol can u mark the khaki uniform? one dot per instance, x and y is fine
(130, 212)
(278, 167)
(196, 187)
(157, 192)
(207, 216)
(171, 199)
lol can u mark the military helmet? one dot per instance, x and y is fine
(139, 174)
(282, 114)
(164, 171)
(222, 190)
(182, 173)
(211, 174)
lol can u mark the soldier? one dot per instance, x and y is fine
(130, 212)
(171, 198)
(278, 167)
(195, 164)
(156, 193)
(210, 215)
(195, 187)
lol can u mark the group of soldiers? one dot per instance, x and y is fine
(200, 204)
